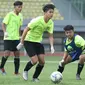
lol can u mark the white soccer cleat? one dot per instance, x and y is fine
(35, 80)
(25, 75)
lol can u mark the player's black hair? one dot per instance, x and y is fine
(47, 7)
(16, 3)
(68, 27)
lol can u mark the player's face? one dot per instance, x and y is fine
(18, 8)
(69, 34)
(50, 13)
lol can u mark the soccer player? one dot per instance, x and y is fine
(74, 50)
(11, 28)
(32, 37)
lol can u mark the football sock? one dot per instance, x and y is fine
(16, 64)
(60, 69)
(38, 70)
(80, 67)
(3, 61)
(28, 66)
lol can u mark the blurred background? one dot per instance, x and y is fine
(66, 12)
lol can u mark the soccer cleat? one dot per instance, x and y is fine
(2, 70)
(25, 75)
(78, 77)
(35, 80)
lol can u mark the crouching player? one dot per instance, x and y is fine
(74, 50)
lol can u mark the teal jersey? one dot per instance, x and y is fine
(75, 47)
(79, 42)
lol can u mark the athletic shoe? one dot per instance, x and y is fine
(2, 70)
(35, 80)
(78, 77)
(25, 75)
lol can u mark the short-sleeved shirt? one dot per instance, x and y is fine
(79, 42)
(37, 27)
(13, 23)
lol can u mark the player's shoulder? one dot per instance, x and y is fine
(50, 21)
(77, 36)
(9, 13)
(36, 19)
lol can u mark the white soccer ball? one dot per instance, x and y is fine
(56, 77)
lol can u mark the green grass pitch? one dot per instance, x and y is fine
(51, 65)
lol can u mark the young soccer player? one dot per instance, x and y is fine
(11, 28)
(74, 47)
(32, 37)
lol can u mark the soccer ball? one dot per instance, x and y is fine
(56, 77)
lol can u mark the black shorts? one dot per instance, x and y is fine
(11, 45)
(33, 48)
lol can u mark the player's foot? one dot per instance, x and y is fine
(35, 80)
(2, 70)
(25, 75)
(78, 77)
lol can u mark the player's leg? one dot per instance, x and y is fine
(30, 49)
(6, 55)
(16, 62)
(40, 65)
(62, 64)
(80, 66)
(16, 56)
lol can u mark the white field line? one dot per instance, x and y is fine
(24, 61)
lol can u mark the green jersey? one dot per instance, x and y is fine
(13, 23)
(37, 27)
(79, 42)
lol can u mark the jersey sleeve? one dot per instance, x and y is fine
(79, 41)
(6, 19)
(32, 23)
(50, 28)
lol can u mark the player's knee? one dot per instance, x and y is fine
(81, 59)
(7, 53)
(34, 60)
(42, 62)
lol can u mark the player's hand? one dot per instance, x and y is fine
(52, 49)
(60, 63)
(5, 34)
(19, 46)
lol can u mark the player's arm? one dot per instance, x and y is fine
(4, 24)
(29, 27)
(51, 39)
(20, 32)
(20, 45)
(80, 42)
(21, 23)
(4, 30)
(24, 34)
(65, 55)
(4, 27)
